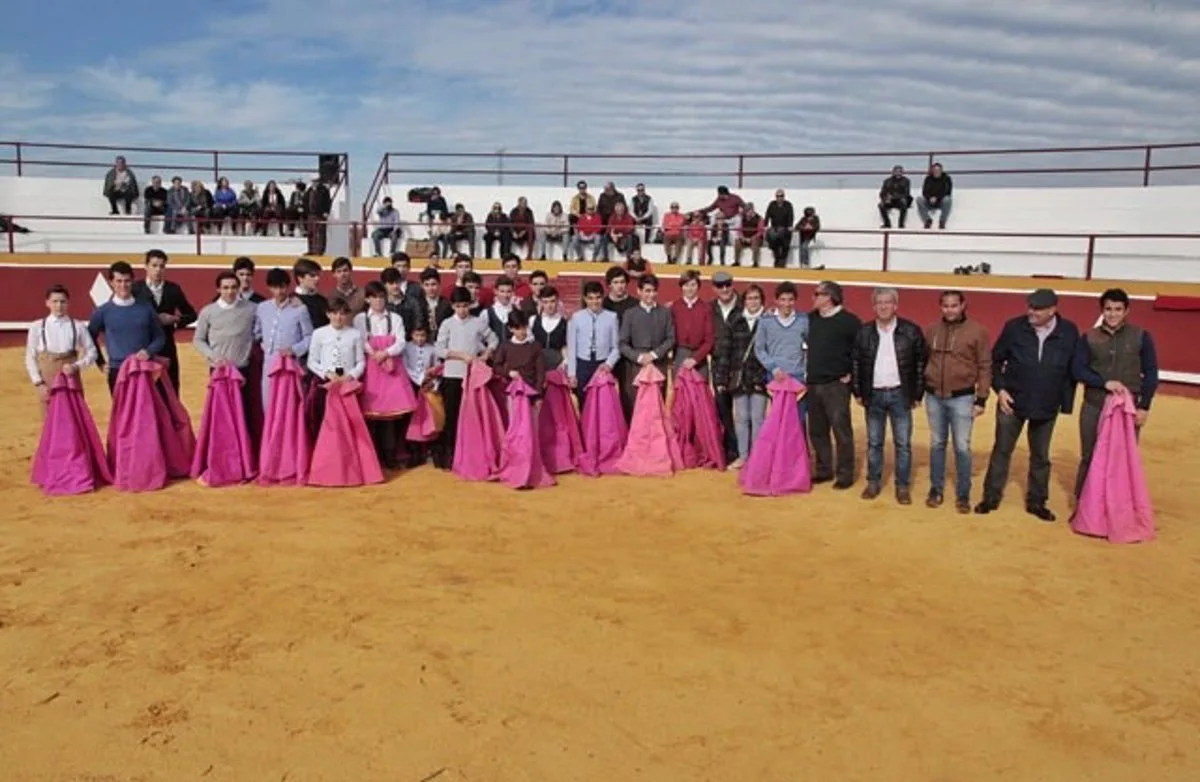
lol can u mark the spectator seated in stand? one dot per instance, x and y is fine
(779, 218)
(620, 232)
(895, 193)
(297, 210)
(750, 235)
(606, 204)
(588, 231)
(439, 237)
(462, 229)
(523, 228)
(435, 208)
(179, 207)
(696, 238)
(555, 232)
(718, 237)
(497, 230)
(935, 196)
(201, 208)
(225, 205)
(643, 213)
(674, 223)
(273, 210)
(120, 186)
(728, 204)
(807, 228)
(154, 202)
(389, 228)
(248, 210)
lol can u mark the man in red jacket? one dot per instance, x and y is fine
(589, 231)
(619, 232)
(694, 332)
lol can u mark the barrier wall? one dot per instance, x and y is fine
(1074, 214)
(991, 301)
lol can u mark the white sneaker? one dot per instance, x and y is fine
(737, 464)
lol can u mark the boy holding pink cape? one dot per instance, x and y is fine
(387, 393)
(461, 339)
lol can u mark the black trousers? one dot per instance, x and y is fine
(724, 401)
(124, 198)
(386, 435)
(490, 240)
(780, 242)
(171, 353)
(452, 394)
(829, 412)
(900, 205)
(317, 233)
(583, 375)
(1008, 431)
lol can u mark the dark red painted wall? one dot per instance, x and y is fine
(21, 299)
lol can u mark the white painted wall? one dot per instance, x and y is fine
(82, 197)
(1029, 210)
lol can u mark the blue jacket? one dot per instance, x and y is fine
(1041, 387)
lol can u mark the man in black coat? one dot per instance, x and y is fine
(725, 307)
(318, 203)
(888, 365)
(779, 217)
(173, 308)
(1031, 372)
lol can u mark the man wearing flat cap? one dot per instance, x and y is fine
(1031, 373)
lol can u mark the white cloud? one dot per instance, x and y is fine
(649, 76)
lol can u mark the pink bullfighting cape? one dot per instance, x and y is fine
(1114, 502)
(284, 456)
(604, 429)
(480, 427)
(344, 454)
(150, 439)
(387, 390)
(70, 456)
(697, 425)
(778, 462)
(520, 454)
(652, 448)
(224, 454)
(558, 427)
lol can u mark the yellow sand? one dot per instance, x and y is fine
(612, 629)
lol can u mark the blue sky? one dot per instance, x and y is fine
(365, 76)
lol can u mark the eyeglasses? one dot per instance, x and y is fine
(720, 285)
(817, 294)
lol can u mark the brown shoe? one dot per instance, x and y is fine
(934, 500)
(963, 506)
(871, 492)
(903, 496)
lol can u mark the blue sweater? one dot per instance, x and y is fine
(126, 331)
(780, 347)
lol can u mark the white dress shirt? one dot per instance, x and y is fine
(332, 348)
(54, 335)
(887, 369)
(418, 360)
(380, 324)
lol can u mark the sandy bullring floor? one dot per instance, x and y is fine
(607, 629)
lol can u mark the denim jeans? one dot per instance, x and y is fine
(953, 417)
(749, 412)
(890, 405)
(379, 234)
(943, 208)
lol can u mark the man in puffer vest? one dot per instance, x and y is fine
(1114, 357)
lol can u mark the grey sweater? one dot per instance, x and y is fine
(226, 333)
(471, 336)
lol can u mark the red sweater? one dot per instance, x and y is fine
(693, 327)
(485, 293)
(621, 225)
(673, 223)
(590, 224)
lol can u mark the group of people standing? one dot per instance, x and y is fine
(429, 334)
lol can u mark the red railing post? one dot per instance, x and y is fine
(18, 145)
(1091, 257)
(886, 236)
(216, 166)
(566, 170)
(1146, 167)
(741, 174)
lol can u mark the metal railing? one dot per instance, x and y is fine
(879, 242)
(1132, 163)
(27, 156)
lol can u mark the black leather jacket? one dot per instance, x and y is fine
(912, 353)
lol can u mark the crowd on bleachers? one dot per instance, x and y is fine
(589, 227)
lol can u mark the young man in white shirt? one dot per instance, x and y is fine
(335, 355)
(888, 363)
(461, 339)
(56, 343)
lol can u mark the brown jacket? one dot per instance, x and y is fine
(960, 359)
